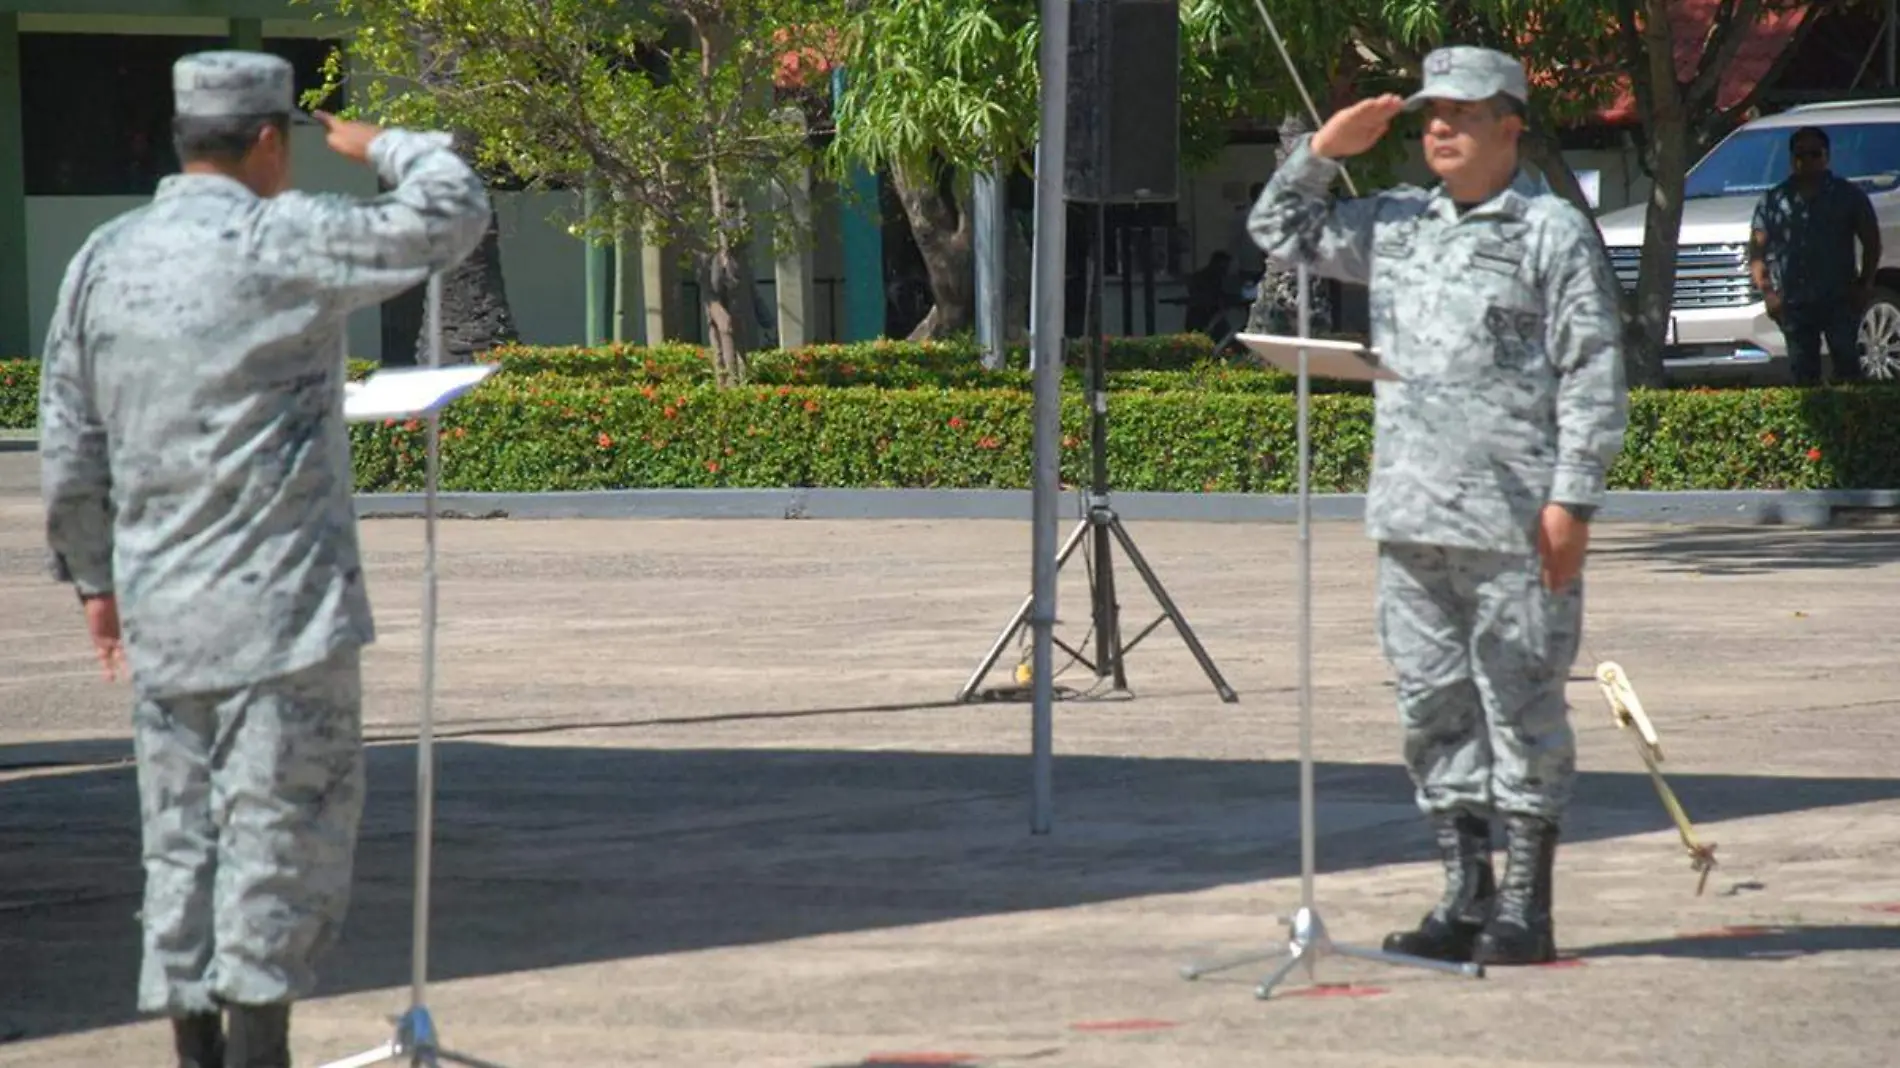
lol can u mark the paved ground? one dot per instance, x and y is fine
(703, 802)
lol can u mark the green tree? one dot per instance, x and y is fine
(937, 91)
(669, 107)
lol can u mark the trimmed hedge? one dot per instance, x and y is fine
(559, 434)
(897, 414)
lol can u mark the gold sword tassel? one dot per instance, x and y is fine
(1627, 710)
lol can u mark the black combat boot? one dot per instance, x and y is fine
(1451, 929)
(199, 1039)
(1520, 931)
(259, 1037)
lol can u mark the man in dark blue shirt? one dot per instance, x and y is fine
(1802, 259)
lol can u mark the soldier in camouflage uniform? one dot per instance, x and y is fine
(197, 479)
(1493, 301)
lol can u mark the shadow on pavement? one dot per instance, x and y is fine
(549, 856)
(1756, 550)
(1758, 943)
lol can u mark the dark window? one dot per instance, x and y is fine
(98, 107)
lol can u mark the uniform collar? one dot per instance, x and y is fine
(202, 185)
(1513, 202)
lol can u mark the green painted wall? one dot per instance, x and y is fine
(13, 256)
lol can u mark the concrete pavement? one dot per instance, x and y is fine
(702, 801)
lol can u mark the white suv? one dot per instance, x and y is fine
(1718, 325)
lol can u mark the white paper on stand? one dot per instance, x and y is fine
(404, 392)
(1325, 358)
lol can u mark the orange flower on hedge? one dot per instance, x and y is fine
(811, 405)
(1814, 454)
(956, 422)
(1768, 437)
(670, 411)
(713, 466)
(605, 441)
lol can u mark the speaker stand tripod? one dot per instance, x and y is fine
(416, 1040)
(1309, 940)
(1102, 528)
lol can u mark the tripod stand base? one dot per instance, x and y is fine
(415, 1042)
(1102, 522)
(1309, 943)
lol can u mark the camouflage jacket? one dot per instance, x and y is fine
(1504, 325)
(194, 457)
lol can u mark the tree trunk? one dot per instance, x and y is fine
(1276, 308)
(476, 315)
(724, 281)
(721, 281)
(943, 231)
(1668, 138)
(1540, 149)
(475, 312)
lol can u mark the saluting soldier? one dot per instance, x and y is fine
(196, 474)
(1493, 301)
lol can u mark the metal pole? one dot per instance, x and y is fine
(1306, 604)
(425, 745)
(1051, 152)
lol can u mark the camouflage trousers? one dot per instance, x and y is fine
(250, 801)
(1482, 652)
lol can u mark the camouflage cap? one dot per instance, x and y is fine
(1466, 73)
(226, 84)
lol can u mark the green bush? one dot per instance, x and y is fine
(529, 434)
(19, 394)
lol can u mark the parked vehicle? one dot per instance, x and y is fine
(1719, 326)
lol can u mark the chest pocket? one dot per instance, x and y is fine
(1513, 315)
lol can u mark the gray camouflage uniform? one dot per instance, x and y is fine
(196, 464)
(1502, 320)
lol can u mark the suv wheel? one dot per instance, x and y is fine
(1880, 336)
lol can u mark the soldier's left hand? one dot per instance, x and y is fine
(1562, 540)
(102, 620)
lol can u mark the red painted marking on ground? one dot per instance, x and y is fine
(1894, 907)
(1732, 931)
(1123, 1025)
(1335, 990)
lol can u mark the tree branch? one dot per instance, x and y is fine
(1734, 22)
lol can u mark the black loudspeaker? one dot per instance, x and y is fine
(1124, 128)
